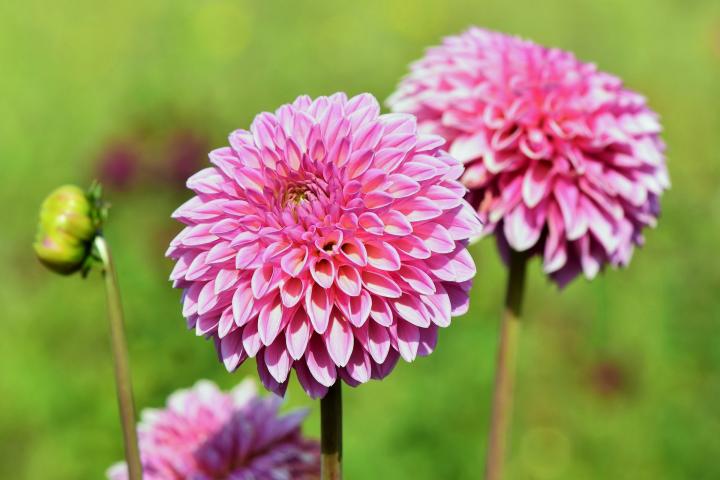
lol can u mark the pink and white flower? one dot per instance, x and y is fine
(561, 159)
(328, 239)
(205, 434)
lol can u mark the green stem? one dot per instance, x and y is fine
(331, 433)
(120, 359)
(505, 369)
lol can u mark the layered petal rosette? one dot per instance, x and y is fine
(561, 159)
(328, 239)
(205, 434)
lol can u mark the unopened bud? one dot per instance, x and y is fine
(68, 224)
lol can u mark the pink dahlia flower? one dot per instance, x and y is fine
(205, 434)
(561, 159)
(329, 239)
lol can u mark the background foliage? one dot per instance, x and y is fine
(618, 377)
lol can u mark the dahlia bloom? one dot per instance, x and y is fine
(328, 239)
(561, 159)
(206, 434)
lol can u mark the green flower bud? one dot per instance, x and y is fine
(68, 224)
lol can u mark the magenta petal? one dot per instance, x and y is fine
(428, 340)
(267, 379)
(311, 386)
(277, 359)
(382, 370)
(298, 334)
(231, 350)
(319, 363)
(251, 339)
(378, 342)
(359, 366)
(409, 308)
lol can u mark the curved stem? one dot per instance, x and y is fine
(120, 360)
(505, 368)
(331, 433)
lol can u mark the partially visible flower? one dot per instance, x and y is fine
(205, 434)
(66, 229)
(561, 159)
(329, 239)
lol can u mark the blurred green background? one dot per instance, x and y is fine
(619, 378)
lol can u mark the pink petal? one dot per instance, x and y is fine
(380, 284)
(359, 366)
(251, 339)
(380, 311)
(408, 339)
(354, 251)
(409, 308)
(339, 340)
(521, 229)
(435, 236)
(318, 307)
(291, 291)
(417, 279)
(378, 342)
(298, 334)
(348, 280)
(261, 280)
(270, 321)
(294, 261)
(396, 223)
(231, 350)
(536, 183)
(278, 360)
(382, 256)
(323, 271)
(242, 303)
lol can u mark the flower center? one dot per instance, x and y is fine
(296, 194)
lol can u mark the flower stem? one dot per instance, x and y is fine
(331, 433)
(505, 369)
(120, 359)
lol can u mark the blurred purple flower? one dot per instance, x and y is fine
(186, 153)
(118, 164)
(561, 159)
(609, 378)
(205, 434)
